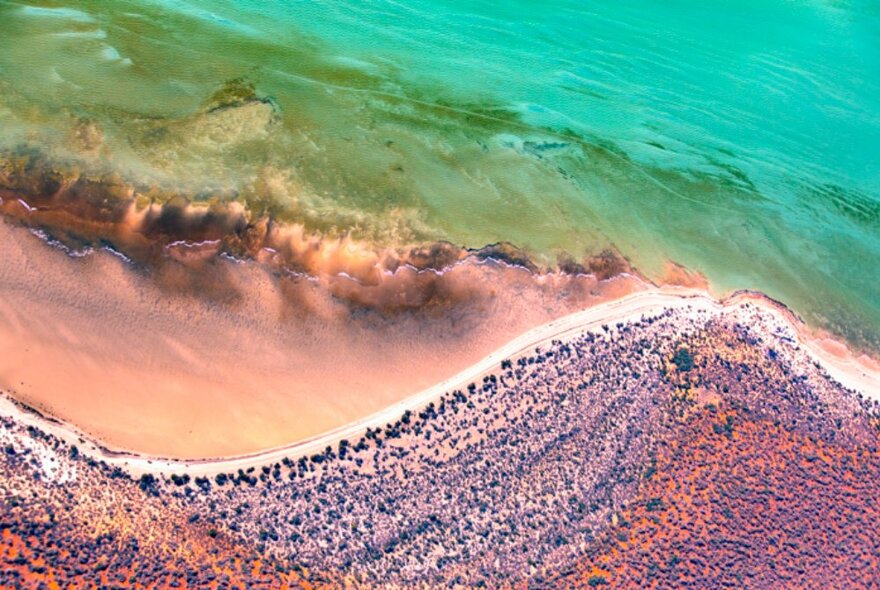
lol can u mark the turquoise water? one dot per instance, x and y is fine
(740, 140)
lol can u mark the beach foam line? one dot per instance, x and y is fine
(652, 303)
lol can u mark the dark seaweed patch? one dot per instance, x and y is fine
(856, 206)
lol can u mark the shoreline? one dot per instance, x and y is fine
(225, 358)
(848, 371)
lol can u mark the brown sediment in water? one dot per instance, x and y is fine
(163, 232)
(675, 274)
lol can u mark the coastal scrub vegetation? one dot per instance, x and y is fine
(675, 450)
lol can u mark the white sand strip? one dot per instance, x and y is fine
(630, 308)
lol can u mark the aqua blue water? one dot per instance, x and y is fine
(741, 140)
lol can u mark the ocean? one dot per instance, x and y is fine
(740, 140)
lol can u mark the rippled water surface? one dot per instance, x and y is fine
(741, 140)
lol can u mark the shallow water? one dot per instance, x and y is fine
(740, 141)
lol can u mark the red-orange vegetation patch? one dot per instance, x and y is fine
(743, 503)
(92, 538)
(23, 566)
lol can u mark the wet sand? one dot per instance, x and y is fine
(265, 361)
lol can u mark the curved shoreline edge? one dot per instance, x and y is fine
(847, 371)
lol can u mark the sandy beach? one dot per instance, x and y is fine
(254, 359)
(137, 455)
